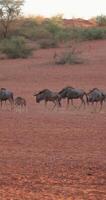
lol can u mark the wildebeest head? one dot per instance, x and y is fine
(39, 97)
(42, 95)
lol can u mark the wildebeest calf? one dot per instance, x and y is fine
(20, 102)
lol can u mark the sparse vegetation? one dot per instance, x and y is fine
(47, 33)
(56, 31)
(68, 57)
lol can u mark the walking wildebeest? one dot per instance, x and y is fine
(48, 95)
(96, 96)
(20, 102)
(73, 93)
(6, 95)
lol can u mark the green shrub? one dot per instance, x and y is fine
(15, 47)
(88, 33)
(70, 57)
(55, 26)
(63, 35)
(93, 34)
(52, 31)
(101, 20)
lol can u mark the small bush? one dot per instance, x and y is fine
(47, 43)
(15, 47)
(63, 35)
(94, 34)
(70, 57)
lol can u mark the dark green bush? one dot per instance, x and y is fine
(93, 34)
(88, 33)
(15, 47)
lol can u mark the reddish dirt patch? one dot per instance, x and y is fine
(53, 155)
(78, 22)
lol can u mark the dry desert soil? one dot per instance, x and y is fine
(59, 154)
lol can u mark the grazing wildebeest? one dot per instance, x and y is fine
(6, 95)
(20, 102)
(73, 93)
(96, 96)
(48, 95)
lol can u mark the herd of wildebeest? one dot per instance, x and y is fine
(94, 96)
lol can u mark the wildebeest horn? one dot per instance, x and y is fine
(35, 93)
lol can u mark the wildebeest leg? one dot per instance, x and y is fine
(94, 108)
(54, 105)
(82, 103)
(16, 107)
(1, 104)
(6, 103)
(12, 104)
(45, 103)
(59, 103)
(68, 101)
(21, 108)
(73, 103)
(101, 104)
(25, 108)
(97, 105)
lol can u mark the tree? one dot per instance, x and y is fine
(9, 11)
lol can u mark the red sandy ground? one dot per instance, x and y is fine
(53, 155)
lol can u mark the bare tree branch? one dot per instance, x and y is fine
(9, 11)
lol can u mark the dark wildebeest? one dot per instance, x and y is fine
(96, 96)
(20, 102)
(6, 95)
(73, 93)
(48, 95)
